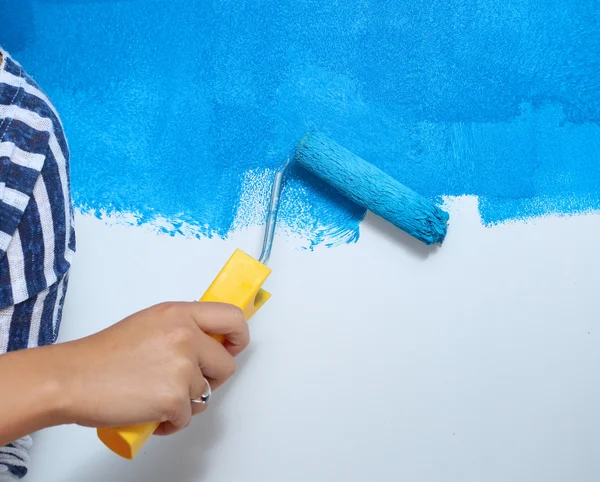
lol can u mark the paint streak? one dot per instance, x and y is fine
(177, 111)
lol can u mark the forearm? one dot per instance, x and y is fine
(33, 395)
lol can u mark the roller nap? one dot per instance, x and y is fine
(372, 188)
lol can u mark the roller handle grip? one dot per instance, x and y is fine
(239, 283)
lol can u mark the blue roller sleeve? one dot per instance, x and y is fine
(372, 188)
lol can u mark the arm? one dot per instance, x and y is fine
(145, 368)
(36, 398)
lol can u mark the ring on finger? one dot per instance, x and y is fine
(205, 397)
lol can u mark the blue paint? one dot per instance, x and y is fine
(169, 103)
(371, 188)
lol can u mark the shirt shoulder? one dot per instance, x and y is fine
(37, 238)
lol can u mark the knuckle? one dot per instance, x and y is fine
(172, 407)
(183, 369)
(172, 310)
(237, 320)
(167, 306)
(235, 314)
(230, 369)
(246, 340)
(181, 335)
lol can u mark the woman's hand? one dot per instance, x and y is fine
(147, 367)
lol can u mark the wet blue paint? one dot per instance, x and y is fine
(168, 103)
(371, 188)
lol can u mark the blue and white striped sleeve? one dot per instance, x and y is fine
(37, 236)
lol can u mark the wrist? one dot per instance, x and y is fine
(56, 385)
(37, 397)
(64, 382)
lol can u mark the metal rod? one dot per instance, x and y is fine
(274, 208)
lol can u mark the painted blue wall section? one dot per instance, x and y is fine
(169, 103)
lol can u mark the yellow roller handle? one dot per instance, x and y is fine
(239, 283)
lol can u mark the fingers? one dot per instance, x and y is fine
(182, 415)
(166, 428)
(187, 408)
(223, 319)
(213, 357)
(215, 362)
(198, 389)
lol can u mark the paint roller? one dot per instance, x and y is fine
(240, 280)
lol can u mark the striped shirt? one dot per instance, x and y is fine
(37, 237)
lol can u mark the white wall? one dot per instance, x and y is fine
(379, 361)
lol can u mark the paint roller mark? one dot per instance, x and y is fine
(180, 124)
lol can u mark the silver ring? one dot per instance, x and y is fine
(205, 396)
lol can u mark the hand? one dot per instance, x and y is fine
(147, 367)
